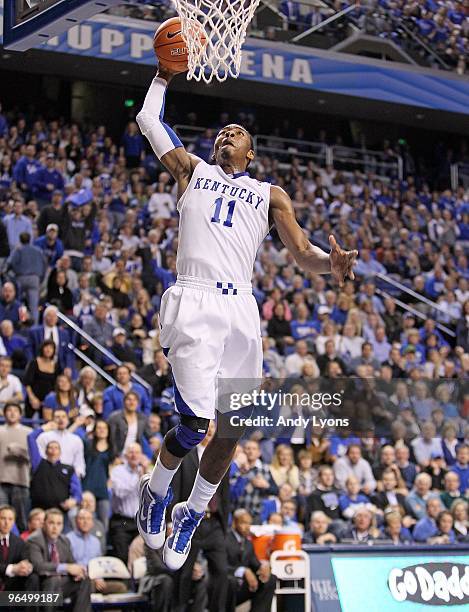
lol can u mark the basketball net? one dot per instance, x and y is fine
(224, 23)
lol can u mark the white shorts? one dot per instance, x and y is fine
(209, 331)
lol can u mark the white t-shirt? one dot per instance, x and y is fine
(9, 388)
(131, 437)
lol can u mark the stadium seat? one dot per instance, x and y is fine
(112, 568)
(291, 567)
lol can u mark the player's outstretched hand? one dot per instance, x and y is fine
(342, 262)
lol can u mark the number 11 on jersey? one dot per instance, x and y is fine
(218, 206)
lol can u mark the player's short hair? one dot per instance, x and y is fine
(7, 507)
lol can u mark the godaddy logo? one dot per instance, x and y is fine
(433, 584)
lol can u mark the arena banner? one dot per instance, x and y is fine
(114, 38)
(402, 579)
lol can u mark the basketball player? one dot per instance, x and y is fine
(209, 319)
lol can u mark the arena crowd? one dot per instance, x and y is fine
(89, 231)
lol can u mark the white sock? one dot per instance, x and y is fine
(202, 492)
(161, 479)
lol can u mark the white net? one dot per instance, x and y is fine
(215, 31)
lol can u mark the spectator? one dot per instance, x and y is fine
(16, 224)
(40, 377)
(353, 464)
(295, 362)
(26, 173)
(461, 467)
(36, 518)
(49, 180)
(85, 387)
(52, 560)
(14, 463)
(53, 483)
(157, 374)
(319, 530)
(283, 468)
(99, 327)
(420, 494)
(71, 444)
(97, 458)
(124, 501)
(362, 529)
(58, 292)
(390, 496)
(51, 245)
(445, 533)
(113, 397)
(248, 578)
(325, 498)
(132, 145)
(85, 546)
(452, 491)
(29, 266)
(352, 499)
(394, 530)
(407, 469)
(15, 568)
(51, 330)
(11, 389)
(88, 502)
(126, 426)
(251, 481)
(461, 523)
(62, 398)
(426, 527)
(10, 306)
(52, 214)
(426, 444)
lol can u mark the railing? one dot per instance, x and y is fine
(102, 350)
(338, 156)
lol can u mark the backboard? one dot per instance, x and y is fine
(28, 23)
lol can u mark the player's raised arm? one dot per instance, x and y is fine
(164, 141)
(311, 258)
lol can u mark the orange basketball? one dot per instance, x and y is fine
(170, 47)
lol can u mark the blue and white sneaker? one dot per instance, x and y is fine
(150, 517)
(178, 545)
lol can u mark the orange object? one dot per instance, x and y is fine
(262, 546)
(286, 540)
(170, 46)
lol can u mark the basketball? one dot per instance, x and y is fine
(170, 47)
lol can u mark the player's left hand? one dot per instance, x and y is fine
(341, 261)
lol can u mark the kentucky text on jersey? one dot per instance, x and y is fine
(235, 192)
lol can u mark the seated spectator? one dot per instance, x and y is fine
(11, 389)
(16, 571)
(99, 327)
(417, 499)
(362, 529)
(157, 374)
(125, 479)
(461, 467)
(72, 452)
(394, 530)
(426, 527)
(88, 502)
(366, 358)
(85, 387)
(325, 498)
(85, 546)
(14, 463)
(121, 348)
(35, 521)
(62, 398)
(248, 578)
(353, 464)
(279, 329)
(251, 481)
(288, 512)
(40, 377)
(126, 426)
(10, 306)
(407, 469)
(437, 470)
(53, 561)
(352, 499)
(14, 345)
(307, 474)
(459, 510)
(390, 496)
(58, 292)
(330, 355)
(50, 330)
(274, 503)
(53, 483)
(449, 442)
(319, 530)
(113, 397)
(426, 444)
(283, 468)
(97, 459)
(445, 532)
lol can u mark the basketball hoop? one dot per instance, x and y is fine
(225, 23)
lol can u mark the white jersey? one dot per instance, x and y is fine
(223, 221)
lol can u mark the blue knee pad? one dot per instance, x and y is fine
(188, 433)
